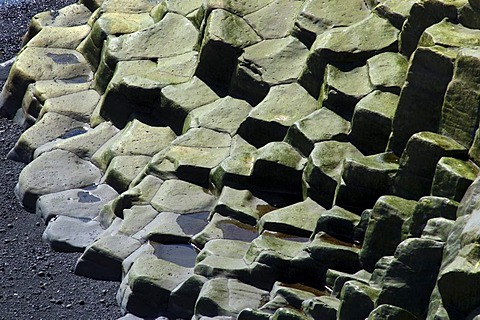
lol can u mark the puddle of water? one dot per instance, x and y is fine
(329, 239)
(182, 254)
(303, 287)
(263, 209)
(73, 133)
(235, 230)
(285, 236)
(65, 58)
(87, 197)
(79, 79)
(193, 223)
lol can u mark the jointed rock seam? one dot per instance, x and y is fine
(263, 159)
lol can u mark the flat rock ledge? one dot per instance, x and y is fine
(297, 159)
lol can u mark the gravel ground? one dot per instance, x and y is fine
(36, 282)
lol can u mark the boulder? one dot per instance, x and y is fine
(191, 156)
(266, 64)
(385, 229)
(333, 253)
(170, 227)
(438, 229)
(59, 37)
(220, 227)
(123, 169)
(184, 296)
(453, 177)
(111, 23)
(320, 125)
(179, 36)
(152, 281)
(457, 282)
(421, 16)
(278, 168)
(86, 144)
(324, 168)
(388, 71)
(78, 105)
(412, 272)
(271, 118)
(76, 14)
(52, 172)
(182, 197)
(136, 220)
(372, 122)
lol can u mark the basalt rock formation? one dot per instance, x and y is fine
(260, 159)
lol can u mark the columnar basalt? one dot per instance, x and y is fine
(300, 159)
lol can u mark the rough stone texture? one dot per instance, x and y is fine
(42, 176)
(416, 172)
(381, 240)
(265, 64)
(315, 152)
(323, 171)
(421, 99)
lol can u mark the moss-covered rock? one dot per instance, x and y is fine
(271, 118)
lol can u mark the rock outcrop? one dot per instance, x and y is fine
(297, 159)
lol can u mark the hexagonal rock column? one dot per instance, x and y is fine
(317, 16)
(419, 161)
(178, 36)
(320, 125)
(365, 179)
(453, 177)
(412, 272)
(385, 229)
(227, 297)
(54, 171)
(419, 107)
(372, 122)
(39, 64)
(324, 168)
(266, 64)
(270, 119)
(342, 89)
(460, 112)
(225, 37)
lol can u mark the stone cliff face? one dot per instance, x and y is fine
(262, 159)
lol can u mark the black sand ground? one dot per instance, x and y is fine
(35, 282)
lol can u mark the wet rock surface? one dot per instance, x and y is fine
(260, 160)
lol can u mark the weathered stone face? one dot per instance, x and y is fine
(267, 159)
